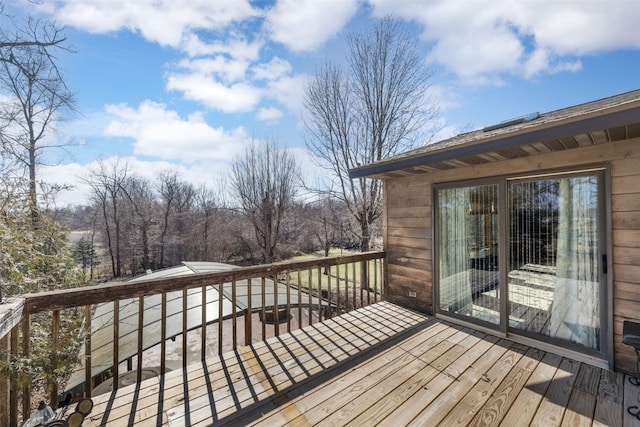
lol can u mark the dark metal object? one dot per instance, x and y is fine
(631, 337)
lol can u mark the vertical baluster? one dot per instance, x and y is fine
(7, 416)
(338, 288)
(375, 280)
(220, 315)
(346, 286)
(299, 301)
(367, 265)
(276, 316)
(355, 295)
(140, 338)
(26, 351)
(309, 290)
(248, 333)
(163, 335)
(115, 346)
(320, 294)
(329, 299)
(55, 342)
(263, 294)
(203, 321)
(383, 284)
(288, 301)
(13, 387)
(185, 327)
(234, 304)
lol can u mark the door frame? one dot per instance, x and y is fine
(603, 357)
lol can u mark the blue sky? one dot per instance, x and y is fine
(186, 84)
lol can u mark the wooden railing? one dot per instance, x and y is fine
(229, 304)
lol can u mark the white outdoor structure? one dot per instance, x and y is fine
(102, 319)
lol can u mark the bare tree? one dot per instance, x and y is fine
(264, 180)
(377, 107)
(207, 202)
(35, 93)
(107, 180)
(168, 187)
(142, 204)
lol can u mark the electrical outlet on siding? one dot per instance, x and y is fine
(412, 294)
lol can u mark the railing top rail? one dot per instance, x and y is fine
(11, 310)
(106, 292)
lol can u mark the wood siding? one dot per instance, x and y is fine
(408, 227)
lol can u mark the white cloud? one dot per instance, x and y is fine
(163, 134)
(227, 69)
(304, 25)
(237, 47)
(483, 39)
(229, 98)
(272, 70)
(289, 91)
(163, 22)
(270, 114)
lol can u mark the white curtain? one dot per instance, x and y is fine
(575, 312)
(454, 273)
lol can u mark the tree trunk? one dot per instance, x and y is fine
(364, 247)
(33, 195)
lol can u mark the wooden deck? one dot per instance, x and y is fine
(379, 365)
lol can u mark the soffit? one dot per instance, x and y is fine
(600, 122)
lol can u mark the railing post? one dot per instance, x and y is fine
(247, 318)
(13, 390)
(234, 326)
(203, 330)
(220, 315)
(115, 370)
(185, 327)
(4, 383)
(55, 340)
(26, 351)
(140, 338)
(288, 301)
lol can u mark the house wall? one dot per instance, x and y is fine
(408, 228)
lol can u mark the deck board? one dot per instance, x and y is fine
(379, 365)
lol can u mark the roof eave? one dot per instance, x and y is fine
(584, 124)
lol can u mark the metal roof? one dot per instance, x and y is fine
(606, 120)
(103, 316)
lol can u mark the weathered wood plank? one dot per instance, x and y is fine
(525, 406)
(624, 203)
(368, 404)
(631, 398)
(381, 365)
(264, 364)
(502, 398)
(68, 298)
(609, 410)
(624, 167)
(303, 402)
(581, 405)
(448, 386)
(11, 313)
(627, 220)
(628, 238)
(626, 273)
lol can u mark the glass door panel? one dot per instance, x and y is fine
(467, 236)
(553, 273)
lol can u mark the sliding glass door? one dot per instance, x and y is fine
(554, 258)
(524, 255)
(468, 252)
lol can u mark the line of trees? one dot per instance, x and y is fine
(141, 224)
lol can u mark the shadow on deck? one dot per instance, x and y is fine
(379, 365)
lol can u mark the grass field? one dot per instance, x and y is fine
(339, 278)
